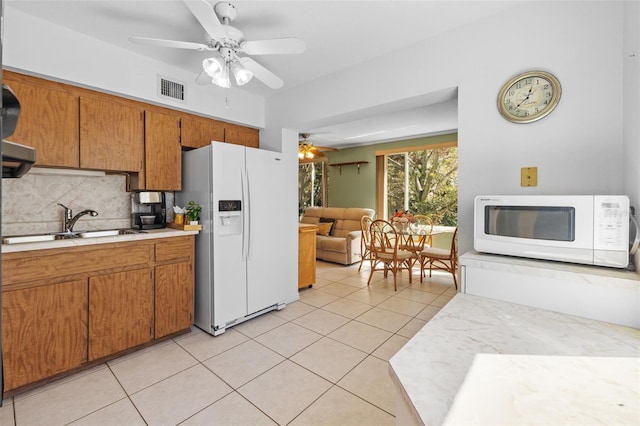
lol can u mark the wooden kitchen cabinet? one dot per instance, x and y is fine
(44, 331)
(163, 161)
(200, 131)
(173, 298)
(111, 134)
(174, 285)
(120, 311)
(241, 135)
(49, 120)
(78, 128)
(306, 254)
(72, 307)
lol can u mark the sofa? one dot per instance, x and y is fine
(339, 233)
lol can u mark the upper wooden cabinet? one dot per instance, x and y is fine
(163, 171)
(200, 131)
(111, 135)
(49, 120)
(240, 135)
(74, 127)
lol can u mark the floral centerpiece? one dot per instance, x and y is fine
(402, 216)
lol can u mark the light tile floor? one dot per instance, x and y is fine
(322, 360)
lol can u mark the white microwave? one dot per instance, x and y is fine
(589, 229)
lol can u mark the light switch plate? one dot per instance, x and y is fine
(529, 176)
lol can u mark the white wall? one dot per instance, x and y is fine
(38, 47)
(631, 96)
(578, 148)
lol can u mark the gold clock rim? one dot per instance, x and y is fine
(555, 99)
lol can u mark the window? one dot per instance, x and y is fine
(311, 185)
(423, 181)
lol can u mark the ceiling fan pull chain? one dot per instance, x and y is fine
(226, 98)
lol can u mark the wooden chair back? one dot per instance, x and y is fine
(365, 241)
(386, 252)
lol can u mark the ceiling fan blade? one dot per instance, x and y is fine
(274, 46)
(203, 11)
(262, 74)
(169, 43)
(326, 148)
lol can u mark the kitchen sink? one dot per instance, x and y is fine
(17, 239)
(107, 233)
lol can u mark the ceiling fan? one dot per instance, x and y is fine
(228, 45)
(307, 151)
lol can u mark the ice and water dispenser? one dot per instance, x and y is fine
(230, 217)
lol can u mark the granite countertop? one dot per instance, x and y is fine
(430, 369)
(75, 242)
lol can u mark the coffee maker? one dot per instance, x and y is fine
(148, 210)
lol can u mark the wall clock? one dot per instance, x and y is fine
(529, 96)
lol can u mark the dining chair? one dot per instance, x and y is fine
(365, 241)
(441, 259)
(422, 225)
(386, 253)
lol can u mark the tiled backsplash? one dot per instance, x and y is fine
(30, 204)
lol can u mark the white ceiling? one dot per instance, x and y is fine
(338, 34)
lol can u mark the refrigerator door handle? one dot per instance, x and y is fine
(245, 215)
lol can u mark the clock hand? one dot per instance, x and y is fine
(528, 94)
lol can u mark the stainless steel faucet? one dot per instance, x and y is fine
(70, 219)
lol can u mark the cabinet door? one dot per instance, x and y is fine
(199, 131)
(44, 331)
(111, 135)
(120, 311)
(162, 152)
(174, 298)
(240, 135)
(48, 122)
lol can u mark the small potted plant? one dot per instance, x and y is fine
(193, 212)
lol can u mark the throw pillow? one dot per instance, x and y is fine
(329, 220)
(324, 229)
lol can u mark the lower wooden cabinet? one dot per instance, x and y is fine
(174, 285)
(120, 312)
(306, 254)
(70, 307)
(173, 298)
(44, 331)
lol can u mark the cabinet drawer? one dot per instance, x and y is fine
(175, 249)
(55, 263)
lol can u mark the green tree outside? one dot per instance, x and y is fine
(425, 182)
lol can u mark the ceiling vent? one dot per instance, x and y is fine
(171, 89)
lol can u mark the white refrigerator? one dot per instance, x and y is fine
(239, 269)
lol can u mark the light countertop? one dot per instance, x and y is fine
(537, 389)
(75, 242)
(430, 369)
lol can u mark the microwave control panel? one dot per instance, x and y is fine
(611, 223)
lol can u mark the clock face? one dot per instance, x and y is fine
(529, 96)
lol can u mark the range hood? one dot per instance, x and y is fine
(16, 159)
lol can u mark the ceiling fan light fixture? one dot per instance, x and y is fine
(213, 66)
(222, 78)
(305, 152)
(242, 75)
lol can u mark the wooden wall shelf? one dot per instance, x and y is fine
(352, 163)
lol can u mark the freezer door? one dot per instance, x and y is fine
(265, 264)
(228, 227)
(196, 186)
